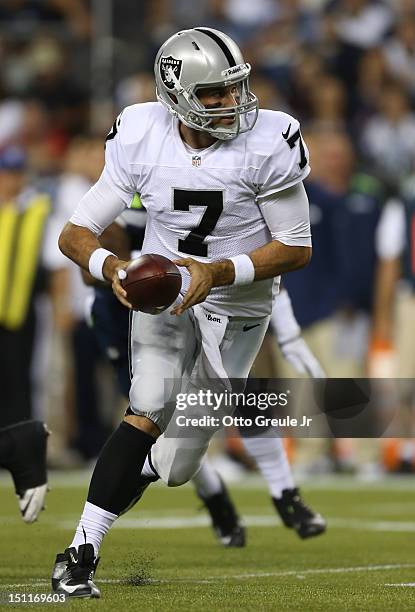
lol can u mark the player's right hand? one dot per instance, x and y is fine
(200, 284)
(119, 274)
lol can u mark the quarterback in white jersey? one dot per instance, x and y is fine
(222, 186)
(213, 203)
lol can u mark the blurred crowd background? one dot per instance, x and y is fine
(345, 68)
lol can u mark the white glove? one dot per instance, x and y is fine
(288, 333)
(32, 502)
(297, 353)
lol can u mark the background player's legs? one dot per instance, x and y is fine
(269, 454)
(23, 454)
(207, 481)
(16, 348)
(22, 441)
(225, 520)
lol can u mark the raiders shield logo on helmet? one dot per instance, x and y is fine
(170, 66)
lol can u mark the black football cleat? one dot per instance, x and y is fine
(225, 521)
(295, 514)
(73, 573)
(26, 461)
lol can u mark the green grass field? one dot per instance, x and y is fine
(163, 556)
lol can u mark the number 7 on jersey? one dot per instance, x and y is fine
(212, 201)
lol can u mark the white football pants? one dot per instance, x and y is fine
(171, 355)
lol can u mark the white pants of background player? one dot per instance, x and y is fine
(170, 354)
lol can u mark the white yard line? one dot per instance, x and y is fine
(325, 570)
(191, 522)
(401, 584)
(282, 574)
(184, 521)
(367, 524)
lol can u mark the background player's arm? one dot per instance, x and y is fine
(390, 243)
(381, 362)
(288, 335)
(387, 276)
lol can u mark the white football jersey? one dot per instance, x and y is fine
(204, 204)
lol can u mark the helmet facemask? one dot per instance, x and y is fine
(244, 111)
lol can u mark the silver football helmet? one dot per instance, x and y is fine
(199, 58)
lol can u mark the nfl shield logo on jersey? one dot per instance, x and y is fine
(196, 160)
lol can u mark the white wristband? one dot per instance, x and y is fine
(244, 269)
(96, 263)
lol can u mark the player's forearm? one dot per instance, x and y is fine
(115, 239)
(59, 293)
(269, 260)
(78, 243)
(387, 276)
(275, 258)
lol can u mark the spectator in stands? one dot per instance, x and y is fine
(399, 52)
(35, 13)
(388, 140)
(364, 97)
(351, 27)
(329, 103)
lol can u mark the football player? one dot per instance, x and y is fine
(222, 185)
(23, 219)
(110, 320)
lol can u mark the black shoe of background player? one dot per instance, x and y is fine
(225, 521)
(73, 572)
(24, 455)
(296, 515)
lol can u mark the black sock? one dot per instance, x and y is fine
(6, 446)
(23, 453)
(117, 474)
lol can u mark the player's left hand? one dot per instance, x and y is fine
(200, 285)
(297, 353)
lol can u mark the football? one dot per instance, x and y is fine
(153, 283)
